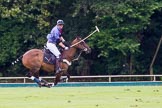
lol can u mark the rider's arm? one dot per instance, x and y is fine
(62, 39)
(62, 45)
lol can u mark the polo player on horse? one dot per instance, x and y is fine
(33, 59)
(55, 38)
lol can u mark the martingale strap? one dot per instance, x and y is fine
(69, 63)
(78, 56)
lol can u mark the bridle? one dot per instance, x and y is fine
(82, 41)
(83, 44)
(81, 51)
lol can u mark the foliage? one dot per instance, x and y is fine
(121, 22)
(130, 31)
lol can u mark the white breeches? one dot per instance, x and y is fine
(52, 47)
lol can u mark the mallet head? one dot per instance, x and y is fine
(97, 29)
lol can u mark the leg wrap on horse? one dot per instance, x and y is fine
(40, 82)
(40, 79)
(35, 79)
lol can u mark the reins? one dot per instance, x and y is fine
(75, 59)
(78, 56)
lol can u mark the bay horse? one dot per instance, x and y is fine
(33, 60)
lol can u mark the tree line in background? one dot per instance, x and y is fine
(130, 32)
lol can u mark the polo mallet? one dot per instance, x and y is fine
(97, 30)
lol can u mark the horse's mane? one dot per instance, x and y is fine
(77, 37)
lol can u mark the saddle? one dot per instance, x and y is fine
(48, 57)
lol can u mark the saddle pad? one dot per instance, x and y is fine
(49, 57)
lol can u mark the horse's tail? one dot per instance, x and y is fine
(17, 60)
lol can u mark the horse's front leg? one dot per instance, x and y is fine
(65, 79)
(68, 77)
(57, 79)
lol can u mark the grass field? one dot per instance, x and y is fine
(82, 97)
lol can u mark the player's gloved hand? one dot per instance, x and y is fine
(66, 48)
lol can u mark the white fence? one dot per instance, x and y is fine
(108, 77)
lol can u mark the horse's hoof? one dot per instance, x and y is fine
(66, 80)
(49, 85)
(53, 85)
(40, 86)
(46, 85)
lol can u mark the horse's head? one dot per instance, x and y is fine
(82, 45)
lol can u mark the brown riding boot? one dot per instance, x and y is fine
(58, 69)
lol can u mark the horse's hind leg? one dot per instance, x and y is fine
(31, 76)
(43, 82)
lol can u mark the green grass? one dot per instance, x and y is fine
(82, 97)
